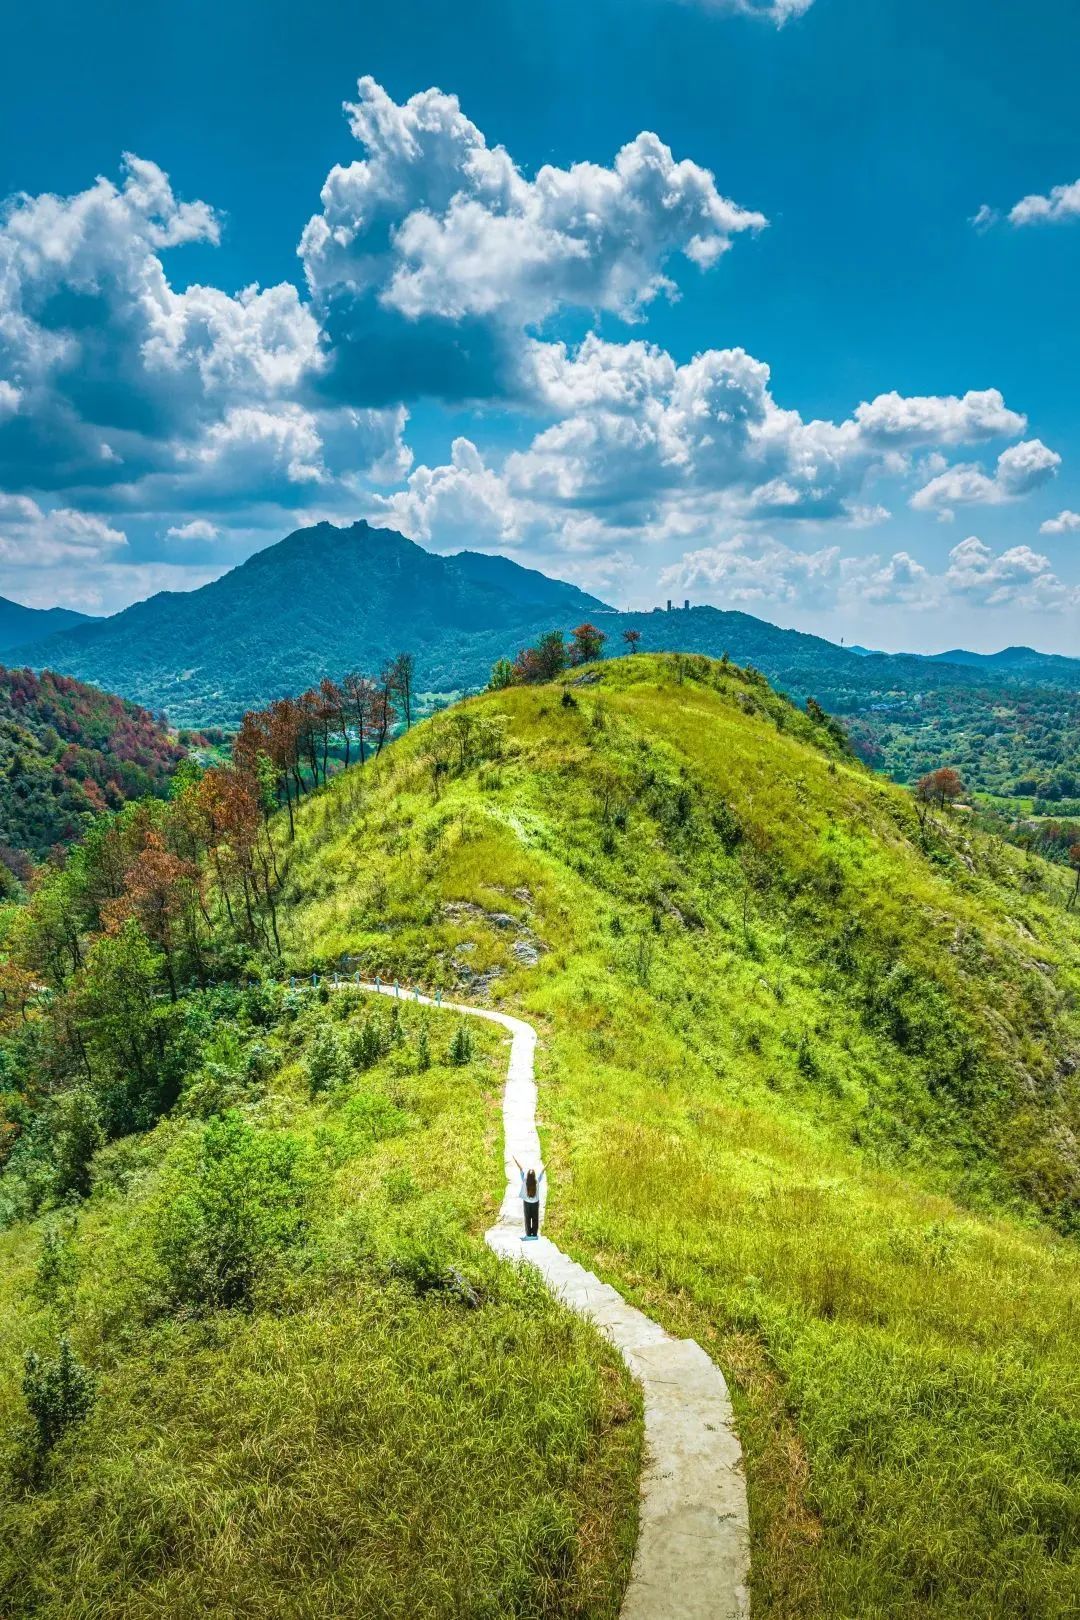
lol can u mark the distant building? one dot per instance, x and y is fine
(669, 604)
(686, 604)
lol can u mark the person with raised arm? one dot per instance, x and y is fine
(529, 1193)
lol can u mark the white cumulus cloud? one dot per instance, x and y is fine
(1061, 205)
(757, 571)
(447, 236)
(1020, 469)
(1066, 522)
(197, 529)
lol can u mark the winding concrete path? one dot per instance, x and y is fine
(692, 1560)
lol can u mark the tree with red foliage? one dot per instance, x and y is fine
(544, 661)
(631, 637)
(586, 644)
(360, 697)
(940, 787)
(162, 892)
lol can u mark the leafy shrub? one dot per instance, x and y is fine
(423, 1049)
(59, 1393)
(326, 1063)
(77, 1134)
(461, 1047)
(366, 1043)
(246, 1202)
(57, 1267)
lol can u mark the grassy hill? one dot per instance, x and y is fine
(809, 1088)
(69, 751)
(809, 1093)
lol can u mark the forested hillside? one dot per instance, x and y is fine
(320, 601)
(809, 1078)
(67, 752)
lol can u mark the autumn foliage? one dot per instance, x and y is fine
(69, 751)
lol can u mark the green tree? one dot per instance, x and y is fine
(125, 1029)
(242, 1205)
(59, 1393)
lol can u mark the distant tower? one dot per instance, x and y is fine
(669, 604)
(686, 605)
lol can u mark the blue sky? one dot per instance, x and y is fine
(764, 357)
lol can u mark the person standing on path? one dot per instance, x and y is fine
(529, 1193)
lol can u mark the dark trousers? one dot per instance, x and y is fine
(532, 1217)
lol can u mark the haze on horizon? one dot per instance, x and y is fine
(763, 304)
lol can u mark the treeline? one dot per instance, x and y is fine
(287, 747)
(552, 654)
(100, 1016)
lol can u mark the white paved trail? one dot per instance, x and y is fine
(693, 1554)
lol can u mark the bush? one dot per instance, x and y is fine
(325, 1062)
(77, 1132)
(59, 1393)
(423, 1050)
(461, 1047)
(57, 1267)
(246, 1203)
(366, 1043)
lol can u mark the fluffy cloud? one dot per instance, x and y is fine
(434, 227)
(49, 554)
(1062, 204)
(120, 391)
(198, 530)
(939, 419)
(1065, 523)
(465, 503)
(644, 448)
(31, 535)
(756, 570)
(1020, 469)
(1017, 577)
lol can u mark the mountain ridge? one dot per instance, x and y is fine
(19, 623)
(328, 599)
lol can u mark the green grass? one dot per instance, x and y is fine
(317, 1393)
(808, 1084)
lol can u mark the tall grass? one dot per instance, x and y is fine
(807, 1088)
(382, 1420)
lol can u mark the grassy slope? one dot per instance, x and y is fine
(807, 1086)
(360, 1441)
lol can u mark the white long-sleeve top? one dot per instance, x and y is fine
(540, 1174)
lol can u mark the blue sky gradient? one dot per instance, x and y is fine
(868, 136)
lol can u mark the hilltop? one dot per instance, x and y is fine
(810, 1082)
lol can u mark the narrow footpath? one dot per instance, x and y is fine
(692, 1560)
